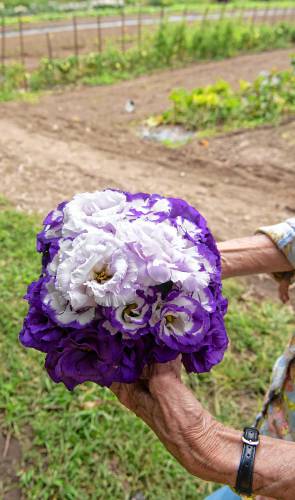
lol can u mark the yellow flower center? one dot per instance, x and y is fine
(128, 311)
(170, 319)
(102, 276)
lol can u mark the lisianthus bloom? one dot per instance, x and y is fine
(96, 270)
(126, 280)
(87, 211)
(181, 322)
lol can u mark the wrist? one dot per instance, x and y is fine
(274, 469)
(274, 466)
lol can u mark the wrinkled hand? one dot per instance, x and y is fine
(284, 287)
(171, 410)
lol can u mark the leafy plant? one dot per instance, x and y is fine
(267, 99)
(170, 46)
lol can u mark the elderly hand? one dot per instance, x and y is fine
(171, 410)
(203, 446)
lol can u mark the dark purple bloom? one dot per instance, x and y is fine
(39, 332)
(212, 349)
(92, 356)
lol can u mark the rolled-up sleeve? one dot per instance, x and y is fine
(283, 235)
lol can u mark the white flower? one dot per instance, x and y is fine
(150, 211)
(96, 269)
(93, 210)
(162, 254)
(61, 309)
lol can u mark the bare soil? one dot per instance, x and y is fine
(83, 139)
(10, 456)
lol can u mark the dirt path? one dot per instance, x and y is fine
(84, 140)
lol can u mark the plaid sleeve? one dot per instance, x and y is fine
(283, 235)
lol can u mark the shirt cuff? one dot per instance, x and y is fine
(283, 235)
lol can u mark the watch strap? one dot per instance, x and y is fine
(250, 441)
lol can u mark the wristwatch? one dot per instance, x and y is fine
(250, 440)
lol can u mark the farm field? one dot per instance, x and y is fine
(82, 139)
(58, 39)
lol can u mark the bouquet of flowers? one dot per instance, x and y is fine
(127, 280)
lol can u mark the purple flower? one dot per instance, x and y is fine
(90, 356)
(182, 322)
(211, 351)
(132, 320)
(39, 332)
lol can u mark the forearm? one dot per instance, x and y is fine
(274, 467)
(251, 255)
(212, 451)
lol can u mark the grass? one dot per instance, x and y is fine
(169, 47)
(44, 14)
(84, 444)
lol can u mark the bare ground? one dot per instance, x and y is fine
(10, 456)
(83, 139)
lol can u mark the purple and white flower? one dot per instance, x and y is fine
(127, 280)
(88, 211)
(180, 322)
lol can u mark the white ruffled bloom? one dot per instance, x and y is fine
(63, 312)
(163, 255)
(96, 269)
(88, 211)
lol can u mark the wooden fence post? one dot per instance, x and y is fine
(3, 44)
(49, 46)
(139, 26)
(22, 49)
(222, 13)
(254, 13)
(99, 35)
(123, 29)
(76, 41)
(21, 41)
(265, 14)
(162, 14)
(205, 17)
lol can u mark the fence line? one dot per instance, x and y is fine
(264, 16)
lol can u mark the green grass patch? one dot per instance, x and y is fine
(84, 444)
(170, 46)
